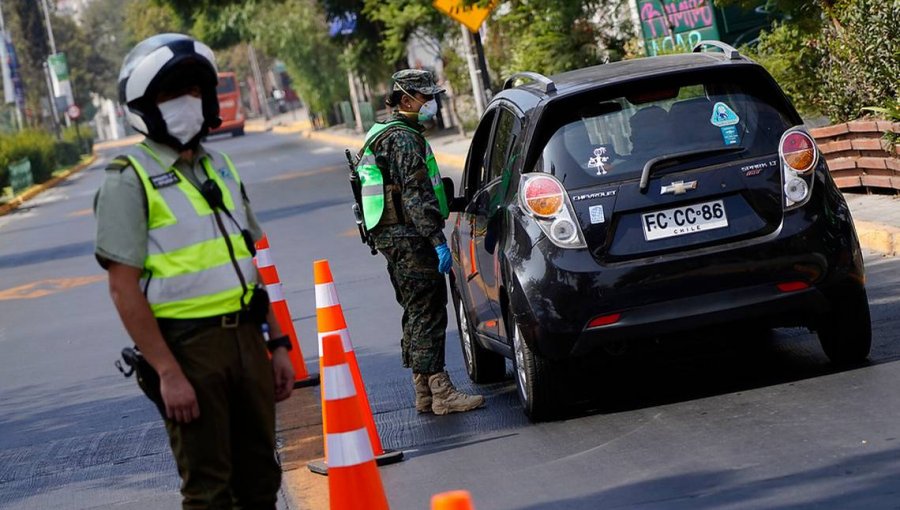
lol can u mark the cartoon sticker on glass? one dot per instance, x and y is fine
(599, 161)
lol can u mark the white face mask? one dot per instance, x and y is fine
(428, 111)
(183, 116)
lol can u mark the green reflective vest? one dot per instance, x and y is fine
(188, 272)
(372, 182)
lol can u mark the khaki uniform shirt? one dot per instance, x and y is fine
(121, 208)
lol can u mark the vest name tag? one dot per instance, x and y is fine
(166, 179)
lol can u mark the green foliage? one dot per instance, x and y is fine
(296, 31)
(82, 137)
(792, 57)
(545, 36)
(38, 146)
(145, 18)
(861, 62)
(403, 18)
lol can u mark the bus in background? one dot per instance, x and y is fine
(230, 109)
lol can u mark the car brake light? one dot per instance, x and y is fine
(798, 151)
(543, 196)
(604, 320)
(792, 286)
(799, 157)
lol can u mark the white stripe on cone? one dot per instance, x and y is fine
(338, 382)
(345, 340)
(326, 295)
(347, 449)
(263, 258)
(276, 292)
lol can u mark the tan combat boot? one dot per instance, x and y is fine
(423, 393)
(446, 399)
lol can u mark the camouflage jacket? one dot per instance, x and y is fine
(405, 153)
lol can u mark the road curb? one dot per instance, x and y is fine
(880, 238)
(115, 144)
(443, 158)
(33, 191)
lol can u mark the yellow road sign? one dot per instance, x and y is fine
(469, 15)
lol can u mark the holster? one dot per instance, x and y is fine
(147, 378)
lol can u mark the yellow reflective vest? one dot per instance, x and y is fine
(188, 272)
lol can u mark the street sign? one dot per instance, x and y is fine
(469, 15)
(20, 177)
(73, 111)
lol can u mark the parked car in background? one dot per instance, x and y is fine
(230, 109)
(642, 198)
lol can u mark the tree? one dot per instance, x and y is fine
(32, 47)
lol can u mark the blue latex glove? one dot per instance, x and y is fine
(443, 253)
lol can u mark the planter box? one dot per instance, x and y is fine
(858, 156)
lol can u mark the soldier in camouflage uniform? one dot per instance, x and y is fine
(410, 235)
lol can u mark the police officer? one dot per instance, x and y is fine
(175, 232)
(404, 208)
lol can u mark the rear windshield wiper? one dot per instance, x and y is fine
(645, 174)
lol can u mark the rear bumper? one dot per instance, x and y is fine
(556, 293)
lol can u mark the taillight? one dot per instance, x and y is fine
(798, 151)
(799, 157)
(543, 198)
(604, 320)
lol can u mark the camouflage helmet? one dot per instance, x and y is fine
(411, 81)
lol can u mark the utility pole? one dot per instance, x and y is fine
(257, 77)
(477, 83)
(46, 8)
(482, 66)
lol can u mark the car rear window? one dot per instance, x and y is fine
(609, 134)
(226, 85)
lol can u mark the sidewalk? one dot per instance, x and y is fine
(877, 217)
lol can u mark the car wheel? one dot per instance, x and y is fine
(482, 365)
(537, 380)
(238, 132)
(845, 332)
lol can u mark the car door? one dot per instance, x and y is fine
(474, 178)
(488, 216)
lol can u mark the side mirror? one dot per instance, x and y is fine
(455, 203)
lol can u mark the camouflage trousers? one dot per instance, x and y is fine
(422, 292)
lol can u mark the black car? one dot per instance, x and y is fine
(641, 198)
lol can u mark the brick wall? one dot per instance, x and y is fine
(858, 156)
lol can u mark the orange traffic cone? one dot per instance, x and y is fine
(330, 318)
(282, 314)
(453, 500)
(353, 479)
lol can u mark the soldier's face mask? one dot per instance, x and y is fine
(428, 111)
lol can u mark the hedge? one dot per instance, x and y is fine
(43, 150)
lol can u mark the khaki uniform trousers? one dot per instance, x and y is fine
(226, 458)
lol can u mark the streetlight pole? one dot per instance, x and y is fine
(257, 77)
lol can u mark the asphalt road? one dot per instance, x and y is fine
(736, 421)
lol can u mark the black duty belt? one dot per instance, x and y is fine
(226, 321)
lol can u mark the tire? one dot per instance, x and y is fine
(845, 332)
(482, 365)
(238, 132)
(538, 380)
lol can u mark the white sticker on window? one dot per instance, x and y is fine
(599, 160)
(596, 214)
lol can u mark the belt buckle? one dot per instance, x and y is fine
(230, 321)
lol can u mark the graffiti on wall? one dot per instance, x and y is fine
(670, 24)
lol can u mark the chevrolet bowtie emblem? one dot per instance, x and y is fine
(678, 188)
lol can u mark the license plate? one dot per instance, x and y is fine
(688, 219)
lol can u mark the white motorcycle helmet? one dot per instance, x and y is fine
(168, 62)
